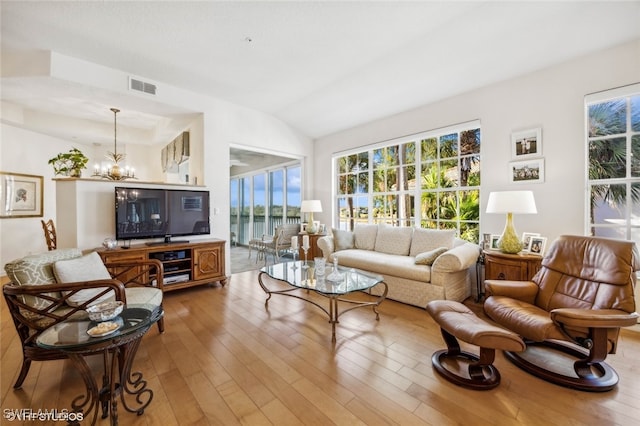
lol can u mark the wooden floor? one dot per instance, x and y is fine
(224, 359)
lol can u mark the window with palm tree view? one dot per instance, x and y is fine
(429, 180)
(613, 182)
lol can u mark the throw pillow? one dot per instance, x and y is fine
(428, 257)
(394, 240)
(430, 239)
(85, 268)
(342, 240)
(38, 269)
(365, 236)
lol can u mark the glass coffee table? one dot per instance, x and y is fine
(301, 277)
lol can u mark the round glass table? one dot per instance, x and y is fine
(118, 349)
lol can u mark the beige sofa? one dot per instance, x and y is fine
(419, 265)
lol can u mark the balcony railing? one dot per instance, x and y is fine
(246, 229)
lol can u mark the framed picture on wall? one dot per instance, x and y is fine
(528, 171)
(21, 195)
(526, 144)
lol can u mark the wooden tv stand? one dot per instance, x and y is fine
(186, 264)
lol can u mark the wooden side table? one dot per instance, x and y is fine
(516, 267)
(314, 250)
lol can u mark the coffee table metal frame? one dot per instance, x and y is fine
(304, 278)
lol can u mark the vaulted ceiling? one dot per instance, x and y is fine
(320, 67)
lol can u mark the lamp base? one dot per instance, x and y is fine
(509, 242)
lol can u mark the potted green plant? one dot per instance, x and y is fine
(69, 163)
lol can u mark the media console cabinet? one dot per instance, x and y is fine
(186, 264)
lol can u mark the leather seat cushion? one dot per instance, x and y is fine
(525, 319)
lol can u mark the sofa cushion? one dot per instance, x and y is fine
(85, 268)
(37, 269)
(424, 240)
(385, 264)
(428, 257)
(144, 296)
(343, 240)
(365, 236)
(394, 240)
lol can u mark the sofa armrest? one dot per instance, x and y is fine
(525, 291)
(326, 245)
(597, 318)
(457, 259)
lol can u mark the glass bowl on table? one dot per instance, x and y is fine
(105, 311)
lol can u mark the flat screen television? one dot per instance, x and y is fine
(146, 213)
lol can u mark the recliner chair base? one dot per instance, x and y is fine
(587, 376)
(482, 374)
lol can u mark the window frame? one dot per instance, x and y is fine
(627, 227)
(340, 197)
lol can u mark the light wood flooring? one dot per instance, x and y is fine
(224, 359)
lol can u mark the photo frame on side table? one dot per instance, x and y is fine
(494, 241)
(529, 171)
(526, 240)
(303, 228)
(21, 195)
(537, 245)
(526, 144)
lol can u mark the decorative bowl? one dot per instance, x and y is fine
(105, 311)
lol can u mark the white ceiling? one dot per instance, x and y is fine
(321, 67)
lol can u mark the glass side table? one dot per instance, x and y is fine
(118, 349)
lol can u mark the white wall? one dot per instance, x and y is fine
(552, 98)
(221, 124)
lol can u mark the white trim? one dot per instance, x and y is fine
(606, 95)
(416, 137)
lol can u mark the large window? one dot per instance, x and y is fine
(613, 163)
(430, 180)
(263, 200)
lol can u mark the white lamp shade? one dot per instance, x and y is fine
(311, 206)
(519, 202)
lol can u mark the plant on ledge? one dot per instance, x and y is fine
(69, 163)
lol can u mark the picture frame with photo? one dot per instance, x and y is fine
(526, 239)
(322, 228)
(303, 228)
(537, 245)
(529, 171)
(494, 241)
(526, 144)
(21, 195)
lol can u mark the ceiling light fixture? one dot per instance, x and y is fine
(114, 172)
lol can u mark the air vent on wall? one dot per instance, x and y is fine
(141, 86)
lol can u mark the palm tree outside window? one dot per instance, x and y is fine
(613, 163)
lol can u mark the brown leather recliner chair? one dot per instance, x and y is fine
(574, 305)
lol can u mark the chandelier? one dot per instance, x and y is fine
(114, 172)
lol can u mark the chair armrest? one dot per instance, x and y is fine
(525, 291)
(139, 273)
(594, 318)
(326, 245)
(457, 258)
(34, 308)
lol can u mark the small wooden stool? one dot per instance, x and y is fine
(458, 321)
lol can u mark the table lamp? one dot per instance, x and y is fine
(311, 206)
(510, 202)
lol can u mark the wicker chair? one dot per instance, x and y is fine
(50, 234)
(38, 306)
